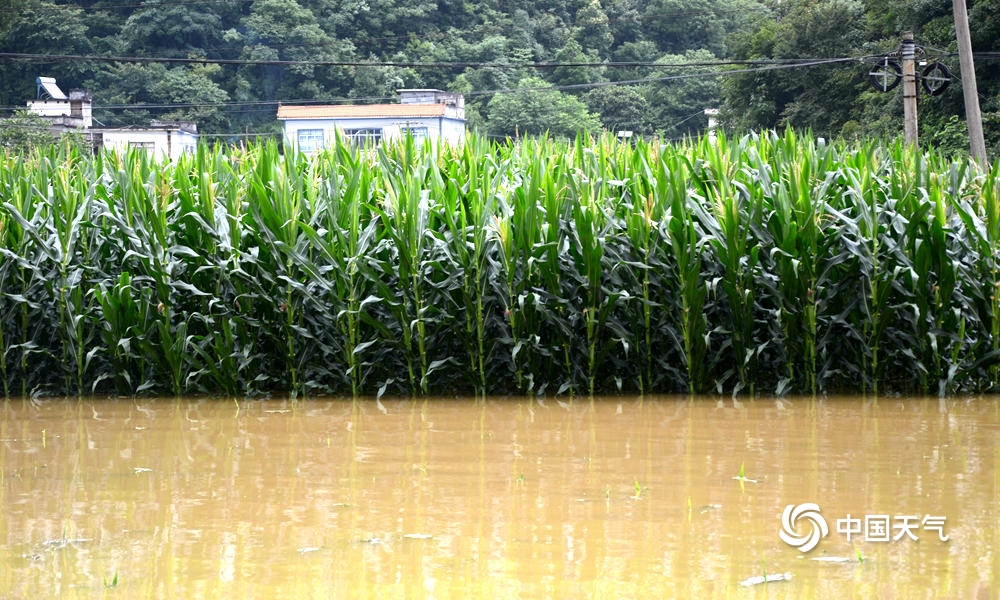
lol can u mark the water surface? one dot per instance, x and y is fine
(507, 498)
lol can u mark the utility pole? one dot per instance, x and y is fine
(973, 117)
(908, 54)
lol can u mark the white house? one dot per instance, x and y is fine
(161, 139)
(421, 113)
(64, 113)
(74, 113)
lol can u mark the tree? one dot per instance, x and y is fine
(621, 108)
(817, 97)
(678, 105)
(536, 108)
(8, 12)
(378, 84)
(593, 29)
(625, 20)
(279, 30)
(24, 131)
(679, 25)
(191, 87)
(164, 29)
(568, 75)
(43, 28)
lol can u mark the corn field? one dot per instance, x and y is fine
(767, 264)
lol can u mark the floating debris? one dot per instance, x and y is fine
(834, 559)
(752, 581)
(63, 542)
(417, 536)
(138, 470)
(309, 549)
(372, 540)
(709, 507)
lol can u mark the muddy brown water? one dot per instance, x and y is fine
(503, 498)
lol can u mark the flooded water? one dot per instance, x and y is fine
(507, 498)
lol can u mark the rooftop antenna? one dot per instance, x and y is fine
(47, 88)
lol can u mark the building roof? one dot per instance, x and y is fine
(360, 111)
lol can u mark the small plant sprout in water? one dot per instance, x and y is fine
(861, 557)
(764, 577)
(742, 476)
(638, 490)
(113, 582)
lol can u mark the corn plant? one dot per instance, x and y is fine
(343, 231)
(280, 192)
(735, 202)
(792, 229)
(688, 242)
(640, 217)
(589, 230)
(21, 277)
(866, 218)
(979, 210)
(535, 266)
(469, 189)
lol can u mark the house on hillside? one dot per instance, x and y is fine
(162, 139)
(421, 113)
(73, 113)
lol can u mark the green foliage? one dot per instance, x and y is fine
(536, 109)
(799, 98)
(677, 26)
(620, 109)
(25, 131)
(769, 263)
(41, 28)
(677, 106)
(832, 100)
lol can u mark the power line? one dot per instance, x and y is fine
(34, 57)
(260, 105)
(772, 67)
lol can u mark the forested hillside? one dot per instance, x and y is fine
(226, 63)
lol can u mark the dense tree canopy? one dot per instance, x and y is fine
(669, 49)
(538, 109)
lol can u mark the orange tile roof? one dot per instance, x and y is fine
(355, 111)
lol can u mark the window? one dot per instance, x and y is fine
(417, 133)
(364, 137)
(310, 140)
(148, 146)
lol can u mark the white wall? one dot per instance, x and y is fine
(451, 130)
(169, 143)
(62, 108)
